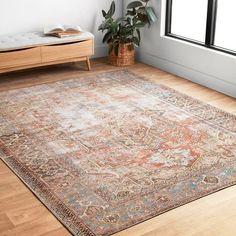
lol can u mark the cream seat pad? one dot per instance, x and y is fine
(28, 40)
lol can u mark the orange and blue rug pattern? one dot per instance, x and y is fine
(106, 152)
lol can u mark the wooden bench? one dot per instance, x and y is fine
(34, 50)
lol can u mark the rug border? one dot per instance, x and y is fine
(200, 102)
(35, 195)
(233, 184)
(18, 171)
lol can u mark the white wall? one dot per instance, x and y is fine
(31, 15)
(210, 68)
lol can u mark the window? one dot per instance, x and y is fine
(210, 23)
(225, 24)
(189, 23)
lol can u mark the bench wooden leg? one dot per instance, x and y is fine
(88, 63)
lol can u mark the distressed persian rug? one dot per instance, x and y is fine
(106, 152)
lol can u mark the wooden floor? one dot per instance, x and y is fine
(21, 214)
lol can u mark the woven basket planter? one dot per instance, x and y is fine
(125, 55)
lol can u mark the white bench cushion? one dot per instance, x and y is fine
(27, 40)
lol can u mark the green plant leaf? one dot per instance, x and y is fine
(112, 9)
(107, 36)
(138, 34)
(104, 13)
(114, 27)
(151, 14)
(141, 10)
(134, 4)
(140, 25)
(100, 27)
(143, 18)
(131, 12)
(136, 41)
(128, 20)
(104, 25)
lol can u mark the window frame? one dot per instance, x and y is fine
(210, 28)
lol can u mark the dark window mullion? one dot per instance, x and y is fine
(211, 22)
(168, 16)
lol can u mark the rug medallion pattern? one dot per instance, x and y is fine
(109, 151)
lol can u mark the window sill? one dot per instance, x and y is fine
(190, 42)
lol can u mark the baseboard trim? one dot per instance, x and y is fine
(188, 73)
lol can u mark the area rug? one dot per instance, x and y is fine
(106, 152)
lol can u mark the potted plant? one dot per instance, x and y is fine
(123, 34)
